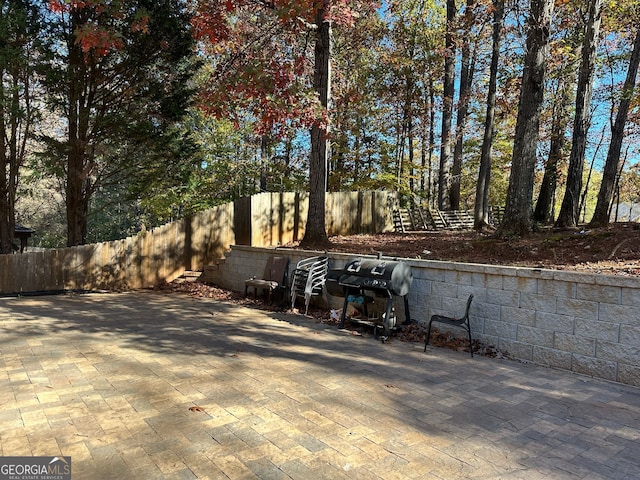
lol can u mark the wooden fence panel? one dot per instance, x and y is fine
(340, 207)
(262, 219)
(277, 218)
(350, 213)
(217, 227)
(242, 221)
(164, 253)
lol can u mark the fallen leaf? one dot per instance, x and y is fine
(196, 408)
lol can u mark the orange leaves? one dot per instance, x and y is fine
(96, 40)
(62, 6)
(97, 35)
(209, 22)
(346, 12)
(562, 3)
(58, 6)
(262, 63)
(141, 24)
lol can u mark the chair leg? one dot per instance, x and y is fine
(470, 344)
(307, 299)
(426, 340)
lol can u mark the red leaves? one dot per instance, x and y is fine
(273, 88)
(262, 58)
(96, 40)
(96, 35)
(58, 6)
(141, 24)
(62, 6)
(210, 23)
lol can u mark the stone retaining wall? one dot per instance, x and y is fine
(582, 322)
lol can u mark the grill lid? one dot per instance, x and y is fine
(378, 274)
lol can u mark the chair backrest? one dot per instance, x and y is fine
(307, 263)
(276, 269)
(317, 275)
(466, 312)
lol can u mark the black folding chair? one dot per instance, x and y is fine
(456, 322)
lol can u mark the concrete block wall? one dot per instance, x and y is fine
(244, 262)
(581, 322)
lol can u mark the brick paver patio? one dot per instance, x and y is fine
(112, 380)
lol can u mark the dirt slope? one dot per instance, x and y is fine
(614, 250)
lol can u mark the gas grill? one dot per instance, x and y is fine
(362, 278)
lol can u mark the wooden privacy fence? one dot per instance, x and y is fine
(164, 253)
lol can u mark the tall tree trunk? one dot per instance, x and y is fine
(400, 142)
(6, 235)
(423, 162)
(601, 213)
(409, 128)
(444, 179)
(19, 131)
(78, 181)
(428, 141)
(15, 112)
(432, 138)
(585, 190)
(466, 79)
(411, 154)
(315, 232)
(569, 211)
(518, 210)
(359, 142)
(264, 159)
(16, 109)
(481, 209)
(561, 111)
(403, 171)
(616, 189)
(543, 212)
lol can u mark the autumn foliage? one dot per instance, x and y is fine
(93, 36)
(261, 56)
